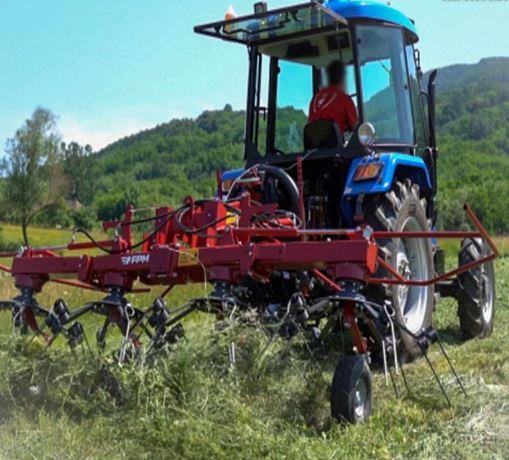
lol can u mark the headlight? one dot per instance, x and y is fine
(367, 134)
(368, 171)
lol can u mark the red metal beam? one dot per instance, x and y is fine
(399, 280)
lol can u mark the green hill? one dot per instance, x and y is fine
(473, 123)
(170, 161)
(178, 158)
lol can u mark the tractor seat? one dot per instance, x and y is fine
(322, 134)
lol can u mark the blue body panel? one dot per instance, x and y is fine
(233, 174)
(371, 10)
(230, 175)
(415, 170)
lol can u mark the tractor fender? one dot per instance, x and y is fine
(395, 166)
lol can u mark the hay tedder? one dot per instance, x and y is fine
(317, 234)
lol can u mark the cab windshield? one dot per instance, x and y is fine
(296, 85)
(384, 80)
(288, 74)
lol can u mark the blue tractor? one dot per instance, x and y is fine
(384, 175)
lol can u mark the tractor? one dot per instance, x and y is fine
(384, 175)
(321, 232)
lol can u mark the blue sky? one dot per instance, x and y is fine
(108, 68)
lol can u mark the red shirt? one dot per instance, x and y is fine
(331, 103)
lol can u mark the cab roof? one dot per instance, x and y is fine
(361, 9)
(305, 18)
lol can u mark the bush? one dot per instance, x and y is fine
(84, 218)
(57, 215)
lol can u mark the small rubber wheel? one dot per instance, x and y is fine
(351, 393)
(476, 297)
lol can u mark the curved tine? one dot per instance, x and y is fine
(18, 313)
(129, 340)
(140, 316)
(101, 334)
(29, 318)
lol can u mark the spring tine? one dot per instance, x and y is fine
(396, 392)
(101, 334)
(37, 334)
(17, 315)
(436, 377)
(425, 353)
(460, 383)
(386, 371)
(403, 374)
(87, 343)
(145, 329)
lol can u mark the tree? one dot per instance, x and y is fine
(79, 168)
(34, 179)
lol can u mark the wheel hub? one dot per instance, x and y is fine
(403, 267)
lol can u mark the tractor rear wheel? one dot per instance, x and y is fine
(351, 392)
(476, 297)
(404, 210)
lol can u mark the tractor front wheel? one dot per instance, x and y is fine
(351, 392)
(476, 297)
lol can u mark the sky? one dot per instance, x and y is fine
(109, 68)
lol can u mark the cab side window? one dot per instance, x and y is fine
(421, 134)
(294, 93)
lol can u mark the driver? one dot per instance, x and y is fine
(332, 103)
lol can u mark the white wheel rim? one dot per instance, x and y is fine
(360, 400)
(412, 264)
(487, 292)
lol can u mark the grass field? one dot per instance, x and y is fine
(273, 404)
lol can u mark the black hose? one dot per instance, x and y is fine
(145, 220)
(134, 246)
(287, 183)
(194, 231)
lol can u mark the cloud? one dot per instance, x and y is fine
(105, 127)
(99, 134)
(96, 136)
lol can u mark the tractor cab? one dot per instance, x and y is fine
(289, 51)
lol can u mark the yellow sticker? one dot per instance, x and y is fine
(232, 219)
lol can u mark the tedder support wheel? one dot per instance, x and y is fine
(351, 392)
(476, 296)
(404, 210)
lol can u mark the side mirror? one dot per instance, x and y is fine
(432, 108)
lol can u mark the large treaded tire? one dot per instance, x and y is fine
(403, 209)
(351, 392)
(476, 297)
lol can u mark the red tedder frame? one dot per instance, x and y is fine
(214, 241)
